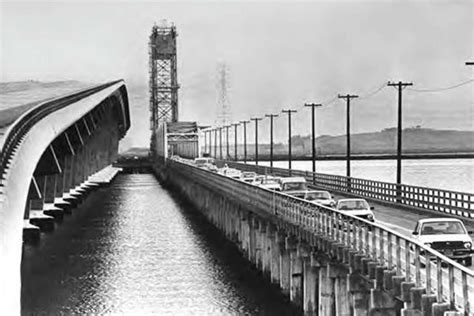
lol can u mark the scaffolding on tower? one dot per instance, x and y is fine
(163, 84)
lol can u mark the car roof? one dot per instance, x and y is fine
(439, 219)
(293, 179)
(347, 200)
(316, 191)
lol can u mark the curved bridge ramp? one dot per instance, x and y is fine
(51, 155)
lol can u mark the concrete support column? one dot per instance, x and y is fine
(359, 294)
(37, 203)
(343, 307)
(49, 188)
(326, 291)
(252, 240)
(278, 242)
(311, 285)
(259, 244)
(267, 257)
(285, 272)
(296, 270)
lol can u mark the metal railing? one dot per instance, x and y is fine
(23, 124)
(449, 280)
(460, 204)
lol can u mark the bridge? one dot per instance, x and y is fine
(324, 261)
(52, 155)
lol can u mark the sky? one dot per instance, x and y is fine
(279, 55)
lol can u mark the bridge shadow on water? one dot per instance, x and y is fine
(97, 261)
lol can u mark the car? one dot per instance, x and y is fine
(447, 236)
(270, 183)
(202, 162)
(356, 207)
(248, 176)
(320, 197)
(230, 172)
(294, 186)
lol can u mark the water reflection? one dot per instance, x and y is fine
(134, 249)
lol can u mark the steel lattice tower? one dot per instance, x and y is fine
(163, 76)
(224, 115)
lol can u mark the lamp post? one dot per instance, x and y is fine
(313, 136)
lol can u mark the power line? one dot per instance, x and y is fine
(371, 94)
(443, 89)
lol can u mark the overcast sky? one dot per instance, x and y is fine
(279, 54)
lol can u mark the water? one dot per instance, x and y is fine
(134, 249)
(448, 174)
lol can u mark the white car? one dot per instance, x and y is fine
(320, 197)
(248, 176)
(445, 235)
(295, 186)
(230, 172)
(356, 207)
(270, 183)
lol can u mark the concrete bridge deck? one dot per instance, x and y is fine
(392, 268)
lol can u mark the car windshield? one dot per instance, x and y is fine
(310, 196)
(200, 161)
(436, 228)
(353, 205)
(293, 186)
(248, 174)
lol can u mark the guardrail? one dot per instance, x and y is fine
(23, 124)
(450, 281)
(421, 198)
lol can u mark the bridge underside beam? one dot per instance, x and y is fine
(74, 138)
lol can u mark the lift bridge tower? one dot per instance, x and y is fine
(168, 135)
(163, 77)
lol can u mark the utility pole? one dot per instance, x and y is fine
(227, 140)
(235, 140)
(271, 116)
(348, 98)
(289, 137)
(215, 143)
(400, 86)
(210, 142)
(220, 143)
(313, 133)
(245, 139)
(256, 119)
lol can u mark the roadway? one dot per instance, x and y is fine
(402, 220)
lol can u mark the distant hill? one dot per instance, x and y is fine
(414, 141)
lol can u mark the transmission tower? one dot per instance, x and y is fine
(163, 76)
(224, 115)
